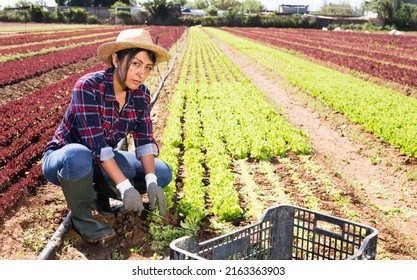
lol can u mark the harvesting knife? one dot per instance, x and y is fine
(159, 216)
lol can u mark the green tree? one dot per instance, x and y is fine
(199, 4)
(118, 4)
(212, 11)
(341, 9)
(384, 8)
(58, 15)
(120, 14)
(76, 15)
(396, 12)
(159, 10)
(126, 17)
(233, 17)
(36, 13)
(225, 4)
(406, 16)
(251, 6)
(407, 11)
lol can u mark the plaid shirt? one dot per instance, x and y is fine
(93, 118)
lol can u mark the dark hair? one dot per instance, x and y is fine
(130, 54)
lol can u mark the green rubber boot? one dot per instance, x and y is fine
(103, 194)
(79, 195)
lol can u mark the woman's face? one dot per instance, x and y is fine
(138, 70)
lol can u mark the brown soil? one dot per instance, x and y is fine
(343, 150)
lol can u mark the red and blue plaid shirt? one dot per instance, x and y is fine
(93, 118)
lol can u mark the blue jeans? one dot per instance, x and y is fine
(74, 161)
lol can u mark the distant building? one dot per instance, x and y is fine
(139, 12)
(187, 12)
(293, 9)
(101, 12)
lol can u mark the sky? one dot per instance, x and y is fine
(314, 5)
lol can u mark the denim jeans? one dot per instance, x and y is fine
(75, 161)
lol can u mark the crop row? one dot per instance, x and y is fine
(17, 70)
(28, 38)
(31, 39)
(389, 53)
(297, 179)
(20, 52)
(20, 170)
(369, 41)
(217, 117)
(389, 115)
(380, 39)
(204, 109)
(401, 70)
(27, 124)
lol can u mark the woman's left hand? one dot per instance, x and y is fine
(156, 192)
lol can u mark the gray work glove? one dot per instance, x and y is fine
(155, 192)
(130, 196)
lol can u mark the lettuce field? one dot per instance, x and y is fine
(248, 119)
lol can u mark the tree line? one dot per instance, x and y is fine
(399, 14)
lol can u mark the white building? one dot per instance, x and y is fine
(293, 9)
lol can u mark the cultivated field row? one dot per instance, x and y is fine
(227, 144)
(345, 94)
(390, 58)
(388, 114)
(27, 61)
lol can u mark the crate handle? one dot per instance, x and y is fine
(328, 227)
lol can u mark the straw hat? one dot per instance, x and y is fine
(132, 38)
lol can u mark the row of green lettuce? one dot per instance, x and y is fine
(216, 117)
(387, 114)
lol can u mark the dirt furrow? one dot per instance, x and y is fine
(375, 186)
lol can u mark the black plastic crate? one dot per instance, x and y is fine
(285, 232)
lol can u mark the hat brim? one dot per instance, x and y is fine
(105, 50)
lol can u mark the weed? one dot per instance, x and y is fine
(137, 250)
(156, 257)
(66, 246)
(406, 212)
(117, 255)
(376, 158)
(127, 234)
(34, 238)
(412, 249)
(412, 175)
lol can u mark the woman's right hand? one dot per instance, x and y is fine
(131, 198)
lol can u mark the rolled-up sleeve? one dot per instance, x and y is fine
(106, 153)
(146, 150)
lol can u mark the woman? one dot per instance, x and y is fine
(105, 107)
